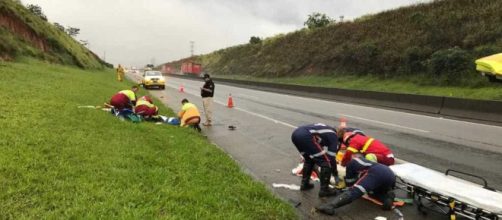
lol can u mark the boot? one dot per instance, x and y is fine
(341, 200)
(306, 172)
(388, 200)
(325, 177)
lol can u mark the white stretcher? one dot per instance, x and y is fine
(450, 195)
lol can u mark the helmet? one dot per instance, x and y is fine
(371, 157)
(147, 98)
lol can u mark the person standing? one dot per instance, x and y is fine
(120, 73)
(207, 93)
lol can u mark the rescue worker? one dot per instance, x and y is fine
(189, 115)
(345, 134)
(146, 108)
(318, 144)
(120, 73)
(125, 99)
(360, 143)
(364, 177)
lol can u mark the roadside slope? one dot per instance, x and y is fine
(24, 34)
(60, 161)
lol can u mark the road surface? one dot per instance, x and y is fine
(262, 141)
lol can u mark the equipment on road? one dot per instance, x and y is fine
(448, 194)
(182, 89)
(343, 123)
(230, 102)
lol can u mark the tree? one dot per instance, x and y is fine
(317, 20)
(36, 10)
(59, 26)
(255, 40)
(72, 31)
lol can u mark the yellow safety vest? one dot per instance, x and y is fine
(130, 94)
(144, 102)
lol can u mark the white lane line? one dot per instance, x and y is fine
(384, 123)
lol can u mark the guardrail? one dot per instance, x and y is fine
(463, 108)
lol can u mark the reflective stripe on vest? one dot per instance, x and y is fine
(367, 144)
(144, 102)
(353, 150)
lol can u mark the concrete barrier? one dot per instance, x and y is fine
(474, 109)
(456, 107)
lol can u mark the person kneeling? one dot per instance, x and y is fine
(189, 115)
(364, 177)
(146, 109)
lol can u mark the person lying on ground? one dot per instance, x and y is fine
(125, 99)
(318, 144)
(189, 115)
(360, 143)
(364, 177)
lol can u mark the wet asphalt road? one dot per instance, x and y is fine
(262, 145)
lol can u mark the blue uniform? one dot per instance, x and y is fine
(368, 177)
(317, 143)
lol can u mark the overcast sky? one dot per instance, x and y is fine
(136, 32)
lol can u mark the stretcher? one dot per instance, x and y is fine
(448, 194)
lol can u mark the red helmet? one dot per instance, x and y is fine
(147, 98)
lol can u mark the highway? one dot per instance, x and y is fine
(261, 144)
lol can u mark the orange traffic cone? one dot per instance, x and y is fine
(182, 89)
(343, 122)
(230, 102)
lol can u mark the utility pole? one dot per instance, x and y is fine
(191, 48)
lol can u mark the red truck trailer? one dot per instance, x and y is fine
(191, 68)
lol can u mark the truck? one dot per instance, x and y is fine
(191, 68)
(166, 69)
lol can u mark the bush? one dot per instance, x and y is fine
(451, 64)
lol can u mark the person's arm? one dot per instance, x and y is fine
(346, 158)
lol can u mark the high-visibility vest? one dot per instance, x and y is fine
(144, 102)
(365, 146)
(188, 110)
(130, 94)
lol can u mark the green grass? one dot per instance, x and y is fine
(61, 48)
(59, 161)
(412, 85)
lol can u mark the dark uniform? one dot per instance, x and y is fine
(318, 144)
(365, 177)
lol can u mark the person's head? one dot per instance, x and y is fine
(207, 77)
(134, 88)
(340, 132)
(184, 101)
(120, 65)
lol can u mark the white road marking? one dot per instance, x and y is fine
(384, 123)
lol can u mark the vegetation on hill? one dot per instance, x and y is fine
(23, 33)
(59, 161)
(439, 41)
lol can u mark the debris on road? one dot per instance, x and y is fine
(287, 186)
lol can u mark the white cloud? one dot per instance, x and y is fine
(133, 32)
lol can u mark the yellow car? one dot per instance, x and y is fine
(490, 66)
(153, 79)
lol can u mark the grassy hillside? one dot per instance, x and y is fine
(58, 161)
(24, 34)
(439, 40)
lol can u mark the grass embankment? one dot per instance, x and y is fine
(59, 161)
(411, 85)
(440, 40)
(25, 34)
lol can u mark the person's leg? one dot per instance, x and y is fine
(210, 110)
(345, 198)
(205, 105)
(308, 167)
(325, 162)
